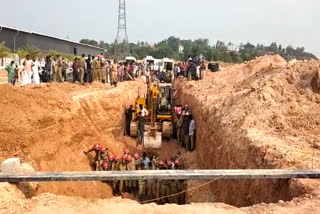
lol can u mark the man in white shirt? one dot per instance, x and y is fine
(144, 111)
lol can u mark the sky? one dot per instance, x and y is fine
(287, 22)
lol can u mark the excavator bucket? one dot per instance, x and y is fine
(152, 142)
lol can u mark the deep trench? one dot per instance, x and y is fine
(219, 147)
(216, 148)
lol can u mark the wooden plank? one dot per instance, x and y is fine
(160, 175)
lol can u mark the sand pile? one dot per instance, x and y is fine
(51, 125)
(262, 114)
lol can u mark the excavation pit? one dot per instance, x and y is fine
(259, 115)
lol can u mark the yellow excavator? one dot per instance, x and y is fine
(159, 103)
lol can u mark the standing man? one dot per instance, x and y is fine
(141, 122)
(59, 66)
(11, 73)
(46, 77)
(97, 149)
(75, 70)
(185, 125)
(65, 66)
(54, 69)
(192, 127)
(179, 129)
(108, 72)
(122, 167)
(88, 74)
(96, 70)
(36, 72)
(128, 116)
(82, 68)
(103, 71)
(115, 167)
(27, 71)
(114, 74)
(203, 69)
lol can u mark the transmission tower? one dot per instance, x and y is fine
(121, 43)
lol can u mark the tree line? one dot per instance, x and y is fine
(181, 49)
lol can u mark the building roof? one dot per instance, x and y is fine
(53, 37)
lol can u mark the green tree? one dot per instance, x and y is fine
(4, 51)
(53, 53)
(89, 42)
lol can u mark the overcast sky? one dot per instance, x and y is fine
(294, 22)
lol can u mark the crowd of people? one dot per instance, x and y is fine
(88, 69)
(83, 70)
(193, 69)
(142, 190)
(184, 127)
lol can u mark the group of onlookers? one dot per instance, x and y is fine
(30, 73)
(192, 69)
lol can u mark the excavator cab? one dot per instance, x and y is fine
(159, 103)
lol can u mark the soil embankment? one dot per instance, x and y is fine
(50, 127)
(263, 114)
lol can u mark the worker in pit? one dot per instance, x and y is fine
(185, 131)
(172, 184)
(96, 148)
(131, 185)
(143, 110)
(122, 167)
(128, 117)
(192, 127)
(155, 183)
(141, 185)
(178, 184)
(179, 123)
(136, 160)
(111, 158)
(115, 167)
(141, 123)
(103, 155)
(164, 184)
(126, 152)
(105, 166)
(160, 165)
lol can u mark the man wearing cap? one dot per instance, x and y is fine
(141, 184)
(131, 165)
(122, 167)
(103, 155)
(115, 167)
(96, 149)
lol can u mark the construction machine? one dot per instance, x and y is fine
(159, 103)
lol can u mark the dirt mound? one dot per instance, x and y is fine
(49, 126)
(260, 114)
(48, 203)
(10, 192)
